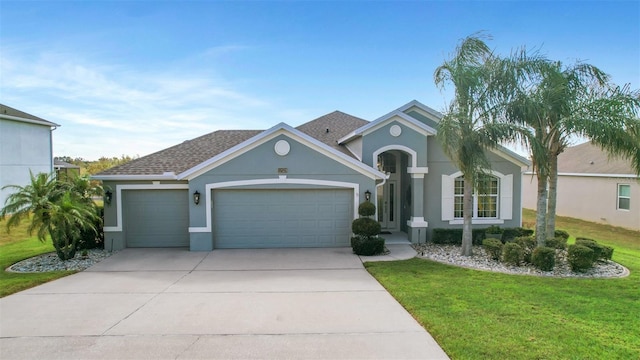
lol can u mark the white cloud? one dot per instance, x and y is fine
(110, 110)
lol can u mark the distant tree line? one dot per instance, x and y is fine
(93, 167)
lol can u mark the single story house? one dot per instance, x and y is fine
(301, 187)
(592, 186)
(26, 144)
(65, 170)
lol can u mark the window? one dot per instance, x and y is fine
(485, 198)
(624, 196)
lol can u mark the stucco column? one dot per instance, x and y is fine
(416, 224)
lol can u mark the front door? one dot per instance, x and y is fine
(388, 205)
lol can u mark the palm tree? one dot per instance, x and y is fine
(561, 103)
(54, 208)
(465, 131)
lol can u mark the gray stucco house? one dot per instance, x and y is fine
(301, 187)
(25, 145)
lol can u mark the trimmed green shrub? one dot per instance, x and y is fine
(580, 258)
(493, 248)
(512, 253)
(366, 209)
(365, 227)
(493, 229)
(544, 258)
(591, 244)
(556, 243)
(527, 244)
(367, 246)
(510, 234)
(563, 234)
(366, 242)
(607, 252)
(600, 252)
(454, 236)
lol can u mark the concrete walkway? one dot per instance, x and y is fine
(225, 304)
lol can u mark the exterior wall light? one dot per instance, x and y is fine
(367, 195)
(108, 195)
(196, 197)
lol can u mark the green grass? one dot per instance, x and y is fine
(16, 246)
(482, 315)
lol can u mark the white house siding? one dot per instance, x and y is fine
(23, 147)
(592, 198)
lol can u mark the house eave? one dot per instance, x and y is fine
(30, 121)
(619, 176)
(153, 177)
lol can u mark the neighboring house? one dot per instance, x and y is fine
(301, 187)
(593, 187)
(25, 145)
(65, 170)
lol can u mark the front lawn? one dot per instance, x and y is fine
(17, 246)
(481, 315)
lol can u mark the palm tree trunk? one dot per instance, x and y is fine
(467, 214)
(550, 230)
(541, 209)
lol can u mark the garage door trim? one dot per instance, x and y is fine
(120, 188)
(282, 180)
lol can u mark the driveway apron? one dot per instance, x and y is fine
(224, 304)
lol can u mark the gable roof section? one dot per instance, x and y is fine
(588, 159)
(9, 113)
(275, 131)
(395, 115)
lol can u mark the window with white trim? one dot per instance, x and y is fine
(493, 203)
(624, 197)
(485, 198)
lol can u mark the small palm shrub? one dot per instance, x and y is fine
(580, 258)
(544, 258)
(493, 247)
(512, 254)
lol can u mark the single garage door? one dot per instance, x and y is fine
(156, 218)
(282, 218)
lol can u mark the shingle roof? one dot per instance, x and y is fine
(184, 156)
(190, 153)
(331, 127)
(589, 159)
(9, 111)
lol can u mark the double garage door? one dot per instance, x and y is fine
(282, 218)
(242, 218)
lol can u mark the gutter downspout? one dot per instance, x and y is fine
(53, 128)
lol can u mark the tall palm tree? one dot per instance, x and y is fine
(465, 131)
(560, 103)
(54, 208)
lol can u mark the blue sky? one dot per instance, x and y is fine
(136, 77)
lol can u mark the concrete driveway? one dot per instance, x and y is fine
(225, 304)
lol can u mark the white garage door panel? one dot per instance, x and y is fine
(282, 218)
(156, 218)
